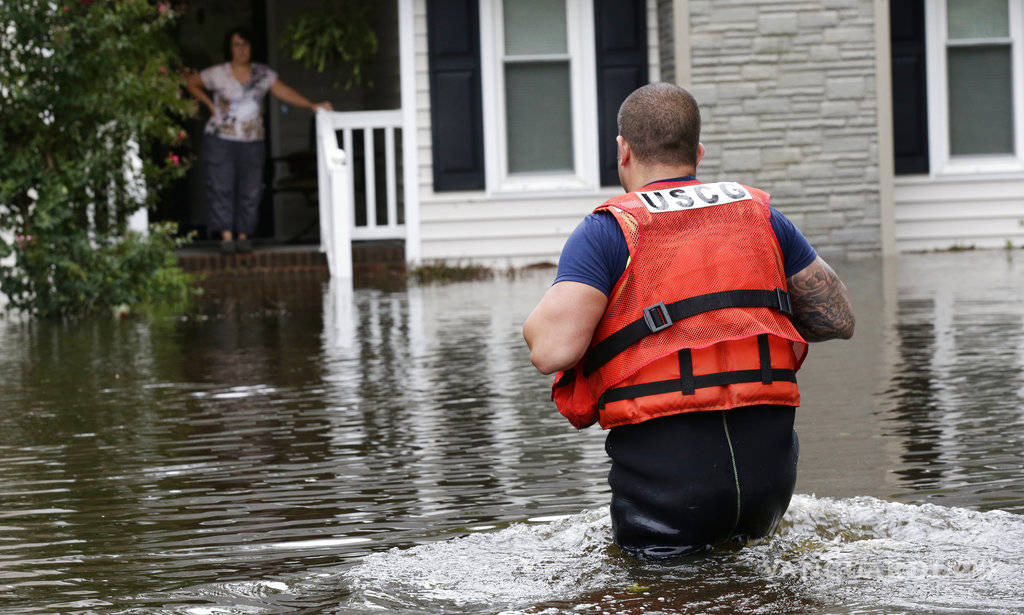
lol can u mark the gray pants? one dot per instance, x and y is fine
(233, 178)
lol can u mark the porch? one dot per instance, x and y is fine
(296, 217)
(352, 180)
(362, 199)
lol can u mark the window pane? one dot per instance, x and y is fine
(534, 26)
(539, 116)
(977, 19)
(980, 100)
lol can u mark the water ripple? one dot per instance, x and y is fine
(862, 553)
(319, 449)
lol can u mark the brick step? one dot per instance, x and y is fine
(367, 257)
(206, 261)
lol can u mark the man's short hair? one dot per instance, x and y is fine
(661, 124)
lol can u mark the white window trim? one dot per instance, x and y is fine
(936, 37)
(583, 88)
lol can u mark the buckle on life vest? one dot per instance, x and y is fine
(657, 318)
(785, 306)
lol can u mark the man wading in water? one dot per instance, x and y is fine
(678, 318)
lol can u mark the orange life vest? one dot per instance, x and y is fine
(699, 318)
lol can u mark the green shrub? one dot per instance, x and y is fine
(439, 272)
(68, 275)
(333, 35)
(89, 133)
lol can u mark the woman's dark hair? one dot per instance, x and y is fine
(243, 32)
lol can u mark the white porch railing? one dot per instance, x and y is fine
(358, 200)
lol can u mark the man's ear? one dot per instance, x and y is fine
(700, 152)
(623, 153)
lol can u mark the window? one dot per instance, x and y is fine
(539, 126)
(523, 93)
(975, 77)
(538, 129)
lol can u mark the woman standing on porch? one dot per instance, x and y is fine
(233, 152)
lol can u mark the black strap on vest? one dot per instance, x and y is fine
(567, 378)
(700, 382)
(765, 356)
(687, 383)
(661, 316)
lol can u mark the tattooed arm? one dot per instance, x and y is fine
(821, 305)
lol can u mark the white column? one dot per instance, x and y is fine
(340, 256)
(8, 236)
(334, 173)
(324, 128)
(136, 187)
(139, 221)
(410, 154)
(883, 98)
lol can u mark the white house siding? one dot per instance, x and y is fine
(475, 227)
(787, 91)
(472, 227)
(942, 213)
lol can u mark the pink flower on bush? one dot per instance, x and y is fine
(173, 159)
(162, 7)
(163, 70)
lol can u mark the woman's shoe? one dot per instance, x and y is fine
(227, 247)
(244, 246)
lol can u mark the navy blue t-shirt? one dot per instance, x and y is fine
(596, 252)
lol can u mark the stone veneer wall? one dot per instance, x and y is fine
(787, 94)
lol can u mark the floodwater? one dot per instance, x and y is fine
(303, 447)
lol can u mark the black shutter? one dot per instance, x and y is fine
(909, 92)
(456, 119)
(620, 28)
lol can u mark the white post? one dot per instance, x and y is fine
(370, 173)
(139, 221)
(341, 218)
(334, 175)
(410, 155)
(136, 181)
(886, 155)
(324, 131)
(390, 164)
(8, 236)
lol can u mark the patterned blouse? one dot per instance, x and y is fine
(238, 114)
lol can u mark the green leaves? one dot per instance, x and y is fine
(335, 36)
(71, 275)
(88, 90)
